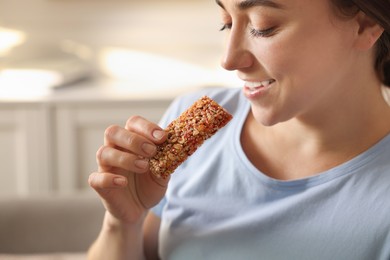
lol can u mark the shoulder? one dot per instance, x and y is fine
(229, 98)
(224, 96)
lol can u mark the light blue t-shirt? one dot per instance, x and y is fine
(219, 206)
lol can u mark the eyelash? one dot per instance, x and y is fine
(226, 26)
(262, 33)
(254, 32)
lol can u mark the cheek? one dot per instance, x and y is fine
(305, 55)
(286, 59)
(297, 59)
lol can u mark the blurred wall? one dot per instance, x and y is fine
(187, 30)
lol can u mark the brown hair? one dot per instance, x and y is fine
(379, 11)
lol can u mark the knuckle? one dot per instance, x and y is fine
(90, 179)
(111, 131)
(133, 120)
(123, 160)
(93, 180)
(141, 126)
(130, 140)
(99, 154)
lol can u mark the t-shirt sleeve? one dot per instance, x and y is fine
(158, 209)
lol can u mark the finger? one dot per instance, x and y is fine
(104, 181)
(111, 157)
(146, 129)
(123, 139)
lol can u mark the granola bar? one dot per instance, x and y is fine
(186, 133)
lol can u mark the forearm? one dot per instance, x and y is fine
(118, 241)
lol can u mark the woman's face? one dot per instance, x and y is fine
(294, 56)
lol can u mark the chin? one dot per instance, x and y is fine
(266, 118)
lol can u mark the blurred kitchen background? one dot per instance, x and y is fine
(70, 68)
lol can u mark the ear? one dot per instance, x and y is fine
(368, 31)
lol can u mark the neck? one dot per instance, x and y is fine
(359, 115)
(337, 133)
(342, 124)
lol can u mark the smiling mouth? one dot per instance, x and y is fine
(253, 86)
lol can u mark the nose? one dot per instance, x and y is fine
(236, 55)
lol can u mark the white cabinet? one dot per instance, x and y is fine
(79, 134)
(49, 145)
(24, 149)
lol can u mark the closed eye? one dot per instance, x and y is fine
(262, 33)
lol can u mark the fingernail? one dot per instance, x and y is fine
(158, 134)
(149, 148)
(142, 164)
(120, 181)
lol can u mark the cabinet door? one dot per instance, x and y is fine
(24, 151)
(80, 132)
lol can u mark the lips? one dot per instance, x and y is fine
(252, 87)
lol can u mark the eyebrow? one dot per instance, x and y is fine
(246, 4)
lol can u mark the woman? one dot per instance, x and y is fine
(301, 172)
